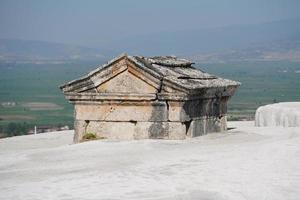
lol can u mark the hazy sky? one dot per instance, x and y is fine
(91, 22)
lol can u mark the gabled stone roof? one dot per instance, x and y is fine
(168, 70)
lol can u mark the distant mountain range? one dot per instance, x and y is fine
(188, 42)
(16, 50)
(278, 40)
(279, 50)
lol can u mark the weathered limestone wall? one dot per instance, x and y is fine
(150, 119)
(205, 125)
(133, 130)
(193, 109)
(145, 130)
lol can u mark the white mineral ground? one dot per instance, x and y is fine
(247, 162)
(286, 114)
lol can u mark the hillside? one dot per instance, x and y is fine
(246, 163)
(16, 50)
(277, 40)
(202, 41)
(279, 50)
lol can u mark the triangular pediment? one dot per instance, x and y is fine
(126, 82)
(124, 76)
(136, 74)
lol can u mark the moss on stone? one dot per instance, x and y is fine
(89, 136)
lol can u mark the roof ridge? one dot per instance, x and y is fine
(169, 61)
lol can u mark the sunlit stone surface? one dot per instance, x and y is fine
(286, 114)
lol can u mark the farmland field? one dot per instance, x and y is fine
(29, 92)
(262, 83)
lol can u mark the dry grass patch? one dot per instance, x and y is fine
(42, 106)
(91, 136)
(16, 117)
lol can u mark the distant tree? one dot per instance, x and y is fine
(11, 129)
(14, 129)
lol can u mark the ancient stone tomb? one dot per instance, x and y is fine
(134, 97)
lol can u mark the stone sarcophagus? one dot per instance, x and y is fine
(134, 97)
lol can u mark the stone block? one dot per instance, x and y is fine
(197, 127)
(131, 130)
(156, 111)
(204, 126)
(79, 129)
(177, 131)
(112, 130)
(187, 110)
(177, 112)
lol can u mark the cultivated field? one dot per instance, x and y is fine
(42, 106)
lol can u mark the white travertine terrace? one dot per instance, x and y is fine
(286, 114)
(247, 162)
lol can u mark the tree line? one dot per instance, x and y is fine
(14, 129)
